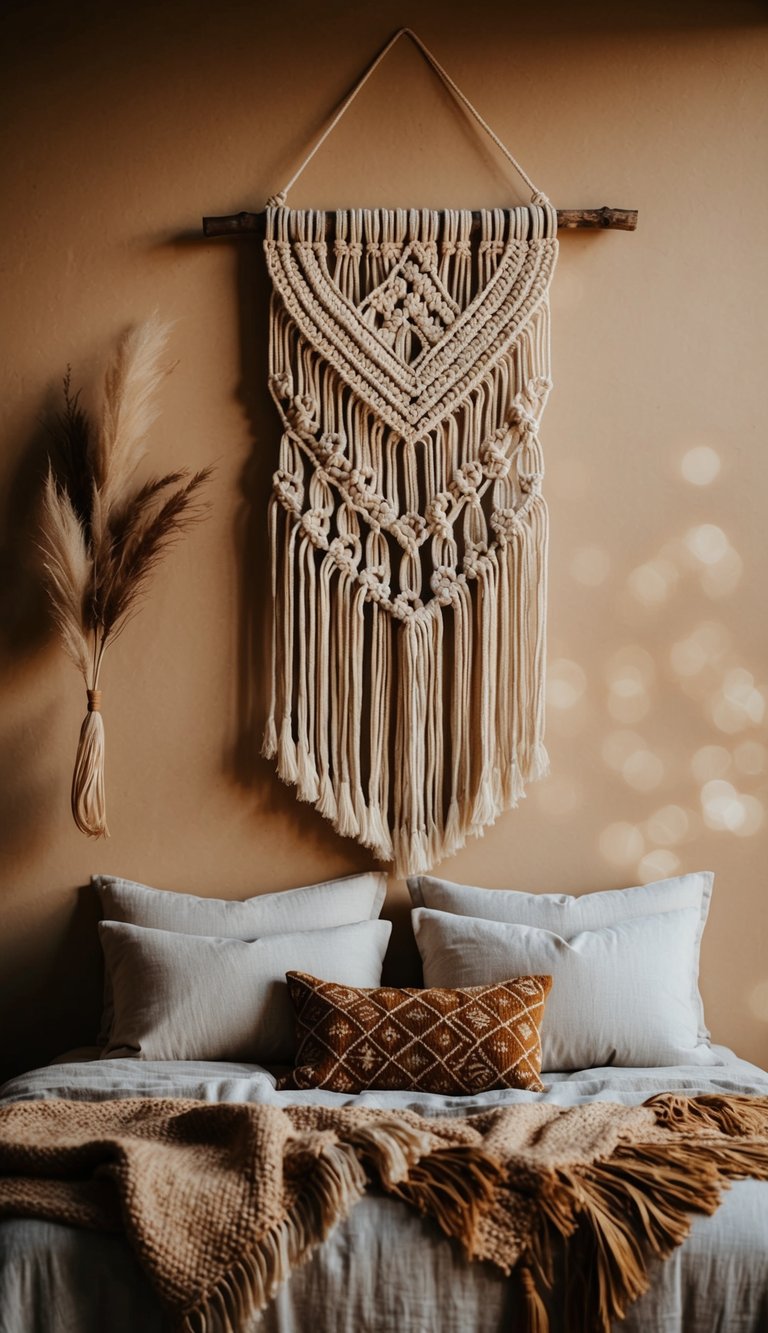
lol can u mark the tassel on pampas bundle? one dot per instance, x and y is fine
(103, 533)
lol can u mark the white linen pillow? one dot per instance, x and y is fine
(334, 902)
(620, 995)
(193, 997)
(567, 914)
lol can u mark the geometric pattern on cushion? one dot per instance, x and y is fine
(349, 1039)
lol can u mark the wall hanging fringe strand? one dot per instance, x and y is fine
(410, 365)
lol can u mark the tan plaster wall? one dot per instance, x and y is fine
(121, 126)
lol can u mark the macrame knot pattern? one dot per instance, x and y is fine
(330, 449)
(302, 413)
(375, 582)
(316, 525)
(289, 490)
(436, 515)
(346, 552)
(410, 530)
(495, 461)
(410, 371)
(474, 556)
(466, 479)
(446, 585)
(405, 605)
(282, 385)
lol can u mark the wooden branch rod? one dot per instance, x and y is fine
(568, 219)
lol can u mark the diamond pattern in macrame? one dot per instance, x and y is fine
(437, 1040)
(412, 300)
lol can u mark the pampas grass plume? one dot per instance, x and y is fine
(103, 534)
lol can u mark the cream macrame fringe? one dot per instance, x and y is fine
(409, 360)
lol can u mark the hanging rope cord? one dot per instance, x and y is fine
(537, 197)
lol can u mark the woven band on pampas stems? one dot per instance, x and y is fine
(102, 533)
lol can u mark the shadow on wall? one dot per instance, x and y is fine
(29, 791)
(58, 1001)
(27, 787)
(251, 536)
(24, 619)
(249, 768)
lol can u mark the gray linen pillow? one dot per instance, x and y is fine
(193, 997)
(620, 995)
(566, 915)
(334, 902)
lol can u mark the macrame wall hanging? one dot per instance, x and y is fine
(410, 365)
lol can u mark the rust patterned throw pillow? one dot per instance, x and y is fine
(436, 1040)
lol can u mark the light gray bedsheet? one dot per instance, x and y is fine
(385, 1270)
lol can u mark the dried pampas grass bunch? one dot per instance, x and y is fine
(103, 533)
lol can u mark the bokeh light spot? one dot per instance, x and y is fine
(700, 465)
(566, 683)
(705, 646)
(723, 808)
(711, 761)
(753, 819)
(618, 746)
(657, 864)
(707, 543)
(738, 703)
(643, 770)
(652, 582)
(630, 674)
(622, 844)
(740, 690)
(668, 826)
(720, 803)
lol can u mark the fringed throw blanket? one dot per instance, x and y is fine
(409, 361)
(221, 1201)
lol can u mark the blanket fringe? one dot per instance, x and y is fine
(390, 1150)
(454, 1186)
(336, 1183)
(640, 1201)
(731, 1114)
(393, 1149)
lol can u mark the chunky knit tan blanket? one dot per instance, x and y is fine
(221, 1201)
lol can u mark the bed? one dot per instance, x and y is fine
(385, 1269)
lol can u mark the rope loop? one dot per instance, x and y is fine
(537, 196)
